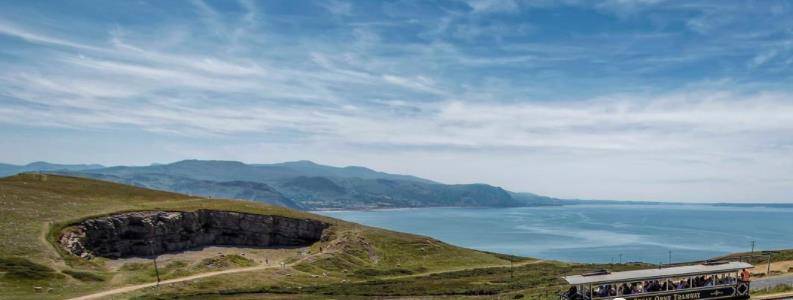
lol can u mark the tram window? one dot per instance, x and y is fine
(631, 288)
(623, 289)
(725, 278)
(604, 290)
(679, 283)
(700, 281)
(654, 286)
(708, 280)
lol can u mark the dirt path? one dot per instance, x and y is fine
(53, 255)
(131, 288)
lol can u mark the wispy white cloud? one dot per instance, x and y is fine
(448, 92)
(627, 7)
(486, 6)
(38, 38)
(210, 17)
(337, 7)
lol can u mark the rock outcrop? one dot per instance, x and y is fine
(155, 232)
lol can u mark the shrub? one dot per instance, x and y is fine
(369, 272)
(84, 276)
(17, 267)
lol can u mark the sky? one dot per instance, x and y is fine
(616, 99)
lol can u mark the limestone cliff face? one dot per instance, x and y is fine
(155, 232)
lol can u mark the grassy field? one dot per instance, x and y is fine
(357, 260)
(537, 280)
(34, 208)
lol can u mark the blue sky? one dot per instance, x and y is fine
(615, 99)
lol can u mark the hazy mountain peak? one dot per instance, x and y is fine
(301, 162)
(48, 165)
(358, 168)
(9, 169)
(38, 164)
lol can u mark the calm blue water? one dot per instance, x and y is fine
(595, 233)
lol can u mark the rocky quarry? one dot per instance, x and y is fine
(154, 232)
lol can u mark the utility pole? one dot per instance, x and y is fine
(156, 271)
(768, 271)
(753, 247)
(670, 257)
(510, 271)
(154, 257)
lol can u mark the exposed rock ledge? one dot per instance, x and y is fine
(155, 232)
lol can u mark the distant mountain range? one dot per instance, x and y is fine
(40, 166)
(236, 189)
(307, 185)
(300, 184)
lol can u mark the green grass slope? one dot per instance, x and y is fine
(355, 260)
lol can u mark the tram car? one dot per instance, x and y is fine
(711, 280)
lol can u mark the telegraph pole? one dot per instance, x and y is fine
(753, 247)
(510, 271)
(768, 270)
(670, 257)
(154, 257)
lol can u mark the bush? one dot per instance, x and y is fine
(84, 276)
(226, 261)
(136, 266)
(17, 267)
(369, 272)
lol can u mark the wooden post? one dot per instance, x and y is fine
(510, 272)
(157, 271)
(768, 271)
(154, 257)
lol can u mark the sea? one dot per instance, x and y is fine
(595, 233)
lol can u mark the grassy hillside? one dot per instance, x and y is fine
(35, 208)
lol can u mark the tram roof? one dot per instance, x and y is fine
(657, 273)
